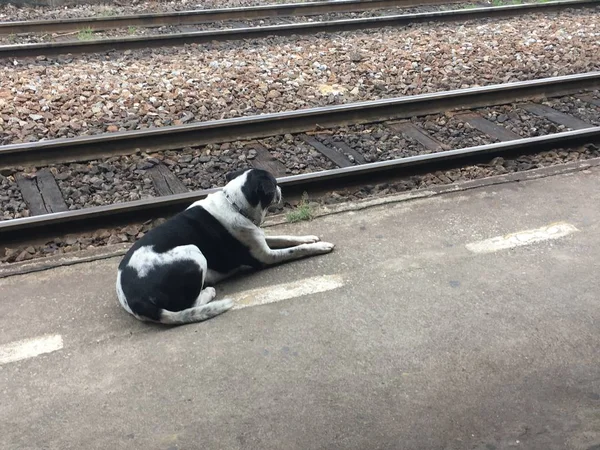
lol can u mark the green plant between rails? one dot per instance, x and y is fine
(304, 211)
(85, 35)
(108, 12)
(131, 29)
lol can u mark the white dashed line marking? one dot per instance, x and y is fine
(521, 238)
(28, 348)
(285, 291)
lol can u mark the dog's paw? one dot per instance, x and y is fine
(206, 295)
(210, 292)
(322, 247)
(310, 239)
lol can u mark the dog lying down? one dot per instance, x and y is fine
(165, 276)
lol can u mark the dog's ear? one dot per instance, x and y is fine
(232, 175)
(267, 190)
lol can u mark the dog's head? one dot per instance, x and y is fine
(253, 191)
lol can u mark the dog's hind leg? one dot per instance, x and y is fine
(196, 313)
(289, 241)
(214, 277)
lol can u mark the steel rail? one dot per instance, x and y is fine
(251, 127)
(134, 42)
(207, 15)
(81, 220)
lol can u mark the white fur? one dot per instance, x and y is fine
(145, 259)
(122, 298)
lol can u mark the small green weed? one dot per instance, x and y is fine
(108, 12)
(131, 29)
(86, 34)
(12, 38)
(302, 212)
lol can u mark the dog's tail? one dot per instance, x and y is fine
(195, 314)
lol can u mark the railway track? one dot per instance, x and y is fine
(194, 17)
(329, 140)
(135, 42)
(253, 127)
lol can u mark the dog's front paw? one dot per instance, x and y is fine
(321, 247)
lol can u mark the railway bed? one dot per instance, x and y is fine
(129, 31)
(215, 17)
(306, 28)
(123, 192)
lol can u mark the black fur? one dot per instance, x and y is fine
(260, 186)
(236, 173)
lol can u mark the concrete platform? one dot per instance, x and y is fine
(406, 337)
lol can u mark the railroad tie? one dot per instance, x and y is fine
(556, 116)
(488, 127)
(418, 134)
(590, 99)
(165, 182)
(264, 160)
(332, 154)
(346, 149)
(41, 193)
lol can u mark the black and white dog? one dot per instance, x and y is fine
(164, 276)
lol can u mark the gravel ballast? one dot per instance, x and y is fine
(577, 108)
(13, 13)
(29, 38)
(82, 95)
(12, 205)
(9, 13)
(453, 131)
(99, 183)
(522, 122)
(375, 142)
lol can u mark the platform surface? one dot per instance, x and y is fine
(417, 332)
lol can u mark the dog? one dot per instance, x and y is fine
(167, 275)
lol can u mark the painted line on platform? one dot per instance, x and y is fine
(522, 238)
(28, 348)
(286, 291)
